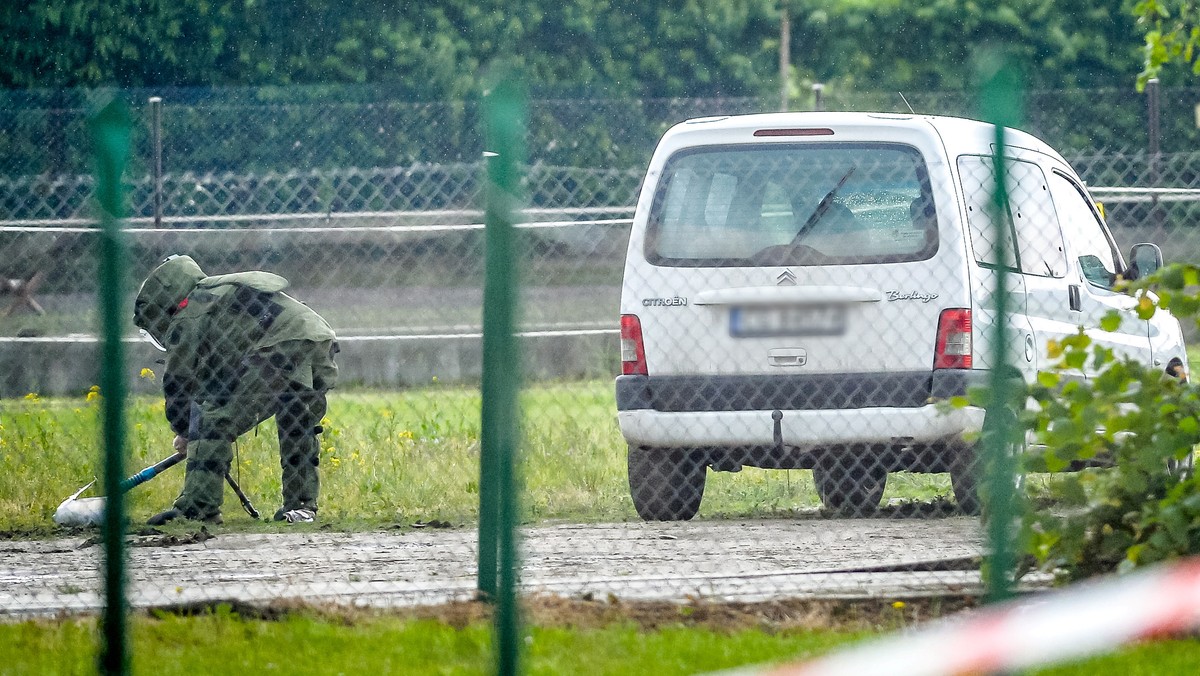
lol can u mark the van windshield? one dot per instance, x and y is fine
(793, 204)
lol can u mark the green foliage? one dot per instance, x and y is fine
(1172, 35)
(930, 44)
(306, 84)
(618, 48)
(434, 50)
(49, 42)
(1140, 421)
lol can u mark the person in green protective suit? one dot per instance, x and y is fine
(239, 351)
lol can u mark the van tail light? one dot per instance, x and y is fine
(633, 352)
(953, 347)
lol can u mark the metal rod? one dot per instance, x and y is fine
(505, 127)
(1154, 114)
(785, 57)
(111, 129)
(237, 490)
(1152, 104)
(156, 137)
(1001, 103)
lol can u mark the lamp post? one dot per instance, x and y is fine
(785, 56)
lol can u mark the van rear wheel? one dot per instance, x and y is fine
(666, 484)
(967, 468)
(848, 486)
(964, 480)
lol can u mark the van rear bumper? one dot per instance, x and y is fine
(813, 410)
(799, 392)
(799, 429)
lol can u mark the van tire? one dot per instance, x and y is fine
(1183, 468)
(666, 484)
(964, 480)
(966, 468)
(849, 488)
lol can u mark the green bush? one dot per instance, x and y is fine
(1141, 424)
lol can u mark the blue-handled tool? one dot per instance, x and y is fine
(77, 511)
(152, 471)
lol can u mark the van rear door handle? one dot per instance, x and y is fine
(787, 356)
(1073, 296)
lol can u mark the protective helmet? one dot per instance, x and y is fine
(161, 294)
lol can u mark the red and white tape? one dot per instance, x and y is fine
(1088, 619)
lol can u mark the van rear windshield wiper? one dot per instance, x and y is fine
(825, 202)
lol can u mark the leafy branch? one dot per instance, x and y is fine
(1141, 423)
(1173, 36)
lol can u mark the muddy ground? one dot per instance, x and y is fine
(724, 561)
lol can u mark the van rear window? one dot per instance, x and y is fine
(793, 204)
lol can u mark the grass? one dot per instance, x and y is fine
(457, 640)
(387, 458)
(224, 644)
(408, 456)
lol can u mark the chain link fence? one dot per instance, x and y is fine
(371, 209)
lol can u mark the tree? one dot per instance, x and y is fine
(56, 43)
(1172, 35)
(929, 44)
(584, 48)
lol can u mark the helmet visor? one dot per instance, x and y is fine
(152, 340)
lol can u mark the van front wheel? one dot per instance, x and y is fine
(666, 484)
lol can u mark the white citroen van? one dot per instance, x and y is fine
(800, 290)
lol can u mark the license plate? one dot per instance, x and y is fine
(804, 320)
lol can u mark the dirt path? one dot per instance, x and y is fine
(717, 560)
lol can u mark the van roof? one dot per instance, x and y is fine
(959, 135)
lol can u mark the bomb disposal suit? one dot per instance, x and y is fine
(239, 351)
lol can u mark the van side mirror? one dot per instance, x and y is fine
(1144, 259)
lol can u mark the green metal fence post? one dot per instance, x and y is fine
(111, 129)
(1001, 104)
(505, 126)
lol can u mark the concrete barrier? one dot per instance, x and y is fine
(69, 366)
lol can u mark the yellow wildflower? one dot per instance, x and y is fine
(93, 395)
(32, 396)
(898, 605)
(147, 373)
